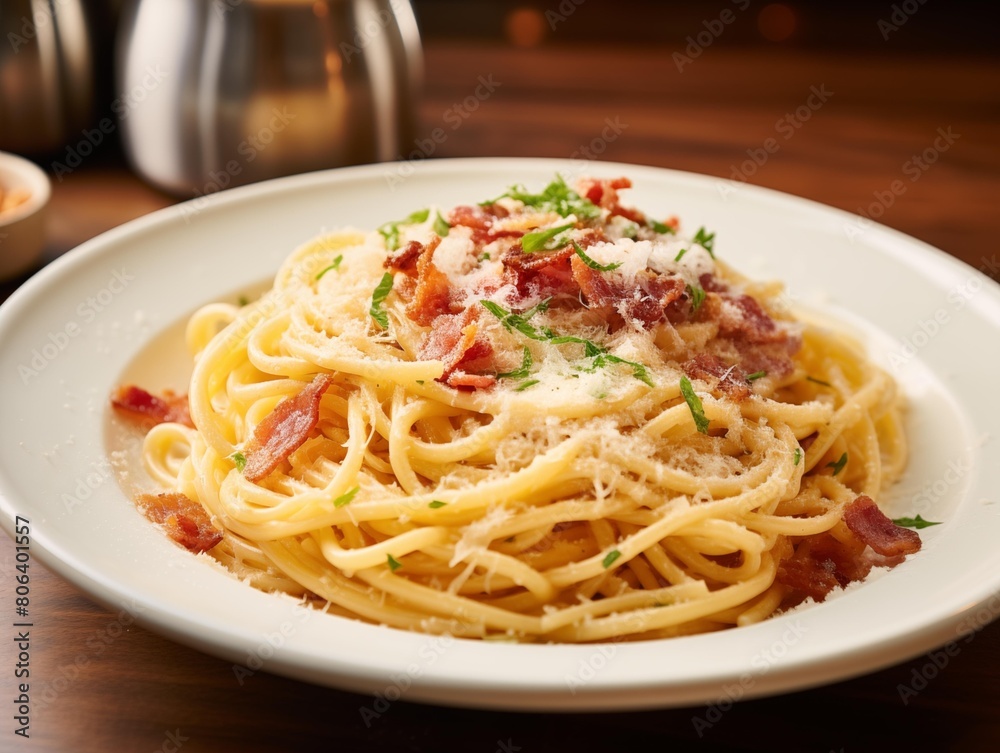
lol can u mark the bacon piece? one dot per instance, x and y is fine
(609, 294)
(284, 429)
(872, 527)
(148, 409)
(456, 341)
(405, 258)
(481, 220)
(432, 296)
(604, 193)
(742, 317)
(732, 381)
(183, 519)
(472, 381)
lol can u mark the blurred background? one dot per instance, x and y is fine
(832, 101)
(887, 109)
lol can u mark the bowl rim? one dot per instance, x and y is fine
(18, 172)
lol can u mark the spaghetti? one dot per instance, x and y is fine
(547, 417)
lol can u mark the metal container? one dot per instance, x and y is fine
(46, 74)
(223, 93)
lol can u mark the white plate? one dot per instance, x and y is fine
(82, 322)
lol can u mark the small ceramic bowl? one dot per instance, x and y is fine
(24, 199)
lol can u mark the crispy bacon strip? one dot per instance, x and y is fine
(284, 430)
(822, 563)
(646, 301)
(871, 526)
(148, 410)
(455, 340)
(731, 380)
(604, 193)
(432, 296)
(183, 519)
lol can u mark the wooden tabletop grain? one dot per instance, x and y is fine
(910, 139)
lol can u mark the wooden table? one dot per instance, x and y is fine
(123, 688)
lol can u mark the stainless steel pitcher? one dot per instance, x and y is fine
(218, 93)
(46, 74)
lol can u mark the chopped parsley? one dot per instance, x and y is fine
(346, 497)
(335, 265)
(379, 295)
(525, 384)
(916, 522)
(662, 229)
(394, 564)
(539, 239)
(522, 372)
(818, 381)
(434, 504)
(390, 230)
(240, 460)
(697, 294)
(441, 227)
(706, 241)
(694, 404)
(610, 557)
(839, 465)
(680, 254)
(756, 375)
(485, 256)
(593, 264)
(601, 357)
(797, 458)
(555, 197)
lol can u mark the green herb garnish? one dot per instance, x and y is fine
(378, 298)
(839, 465)
(680, 254)
(394, 564)
(610, 558)
(335, 265)
(522, 372)
(697, 294)
(539, 239)
(346, 497)
(390, 230)
(436, 503)
(818, 381)
(659, 227)
(639, 371)
(756, 375)
(916, 522)
(593, 264)
(694, 404)
(706, 241)
(240, 460)
(797, 458)
(631, 231)
(555, 197)
(441, 227)
(243, 300)
(525, 384)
